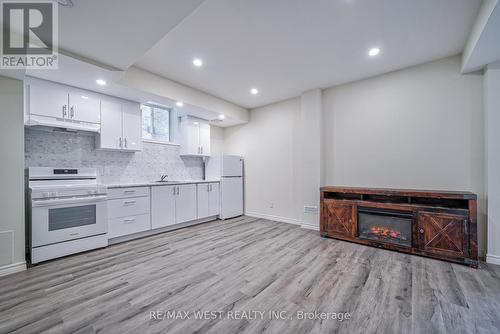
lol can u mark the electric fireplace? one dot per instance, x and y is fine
(388, 226)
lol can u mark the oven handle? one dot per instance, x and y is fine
(71, 200)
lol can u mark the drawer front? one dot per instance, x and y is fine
(127, 192)
(124, 207)
(128, 225)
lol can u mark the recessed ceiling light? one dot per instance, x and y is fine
(373, 52)
(85, 97)
(101, 82)
(254, 91)
(179, 104)
(197, 62)
(221, 116)
(196, 123)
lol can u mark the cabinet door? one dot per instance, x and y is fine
(203, 206)
(340, 218)
(162, 206)
(442, 232)
(84, 108)
(111, 125)
(185, 203)
(190, 137)
(214, 200)
(205, 139)
(48, 100)
(132, 126)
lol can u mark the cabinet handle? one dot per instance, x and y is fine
(129, 202)
(178, 191)
(201, 150)
(121, 142)
(421, 231)
(129, 191)
(130, 220)
(64, 110)
(125, 141)
(72, 111)
(208, 187)
(174, 190)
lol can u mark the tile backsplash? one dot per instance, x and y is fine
(52, 148)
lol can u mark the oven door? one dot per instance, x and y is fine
(57, 220)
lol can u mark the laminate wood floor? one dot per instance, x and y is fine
(248, 264)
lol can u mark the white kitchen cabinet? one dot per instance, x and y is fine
(185, 203)
(128, 211)
(83, 107)
(195, 137)
(111, 129)
(205, 138)
(214, 199)
(163, 206)
(173, 204)
(208, 200)
(202, 192)
(63, 102)
(121, 126)
(132, 126)
(48, 100)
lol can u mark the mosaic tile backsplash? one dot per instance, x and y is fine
(48, 149)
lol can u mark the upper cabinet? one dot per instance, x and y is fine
(58, 105)
(194, 137)
(121, 127)
(84, 108)
(118, 121)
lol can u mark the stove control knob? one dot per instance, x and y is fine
(46, 194)
(53, 194)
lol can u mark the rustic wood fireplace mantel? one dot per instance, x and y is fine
(437, 224)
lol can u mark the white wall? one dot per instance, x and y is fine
(269, 144)
(12, 250)
(310, 162)
(421, 127)
(492, 113)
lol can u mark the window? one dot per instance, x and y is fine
(155, 123)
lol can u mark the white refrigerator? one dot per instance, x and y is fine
(229, 170)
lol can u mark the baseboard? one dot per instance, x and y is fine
(148, 233)
(314, 227)
(493, 259)
(12, 268)
(275, 218)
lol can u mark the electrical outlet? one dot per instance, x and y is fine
(310, 209)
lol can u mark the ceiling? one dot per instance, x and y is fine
(286, 47)
(117, 33)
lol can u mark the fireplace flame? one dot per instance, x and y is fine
(385, 232)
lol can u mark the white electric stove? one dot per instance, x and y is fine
(67, 212)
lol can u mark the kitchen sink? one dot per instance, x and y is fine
(168, 182)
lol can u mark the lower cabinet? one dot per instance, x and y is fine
(128, 211)
(208, 200)
(340, 218)
(442, 232)
(119, 227)
(441, 225)
(173, 204)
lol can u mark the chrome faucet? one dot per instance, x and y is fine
(163, 177)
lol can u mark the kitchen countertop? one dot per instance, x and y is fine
(154, 183)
